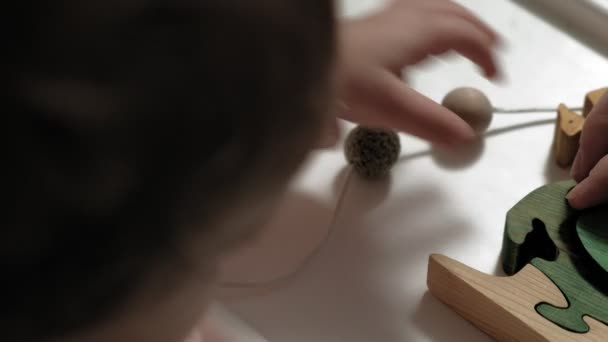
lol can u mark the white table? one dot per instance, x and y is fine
(368, 283)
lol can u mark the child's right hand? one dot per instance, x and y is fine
(375, 50)
(590, 168)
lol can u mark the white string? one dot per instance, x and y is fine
(499, 110)
(309, 258)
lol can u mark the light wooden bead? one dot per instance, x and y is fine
(472, 106)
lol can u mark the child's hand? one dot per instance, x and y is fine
(590, 167)
(374, 51)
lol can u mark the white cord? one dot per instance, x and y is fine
(338, 207)
(499, 110)
(309, 258)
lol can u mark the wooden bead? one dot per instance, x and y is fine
(472, 106)
(372, 152)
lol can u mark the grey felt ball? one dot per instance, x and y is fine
(472, 106)
(372, 152)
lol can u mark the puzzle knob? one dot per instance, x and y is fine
(472, 106)
(372, 152)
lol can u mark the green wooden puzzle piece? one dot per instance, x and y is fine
(541, 230)
(583, 298)
(532, 227)
(592, 229)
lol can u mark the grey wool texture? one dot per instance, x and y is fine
(372, 152)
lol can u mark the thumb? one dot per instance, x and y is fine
(594, 142)
(593, 190)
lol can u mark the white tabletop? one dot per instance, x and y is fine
(368, 282)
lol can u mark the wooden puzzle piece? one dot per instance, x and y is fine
(592, 230)
(591, 99)
(584, 299)
(535, 221)
(504, 307)
(540, 230)
(567, 135)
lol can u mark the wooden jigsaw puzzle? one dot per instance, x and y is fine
(559, 286)
(542, 230)
(556, 259)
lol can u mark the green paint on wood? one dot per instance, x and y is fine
(583, 297)
(541, 230)
(592, 229)
(548, 207)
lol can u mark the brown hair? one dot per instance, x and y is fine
(130, 124)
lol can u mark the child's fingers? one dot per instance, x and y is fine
(454, 33)
(391, 103)
(450, 7)
(411, 112)
(594, 141)
(593, 190)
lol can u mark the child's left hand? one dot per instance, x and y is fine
(374, 50)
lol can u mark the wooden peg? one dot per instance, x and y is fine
(591, 99)
(568, 130)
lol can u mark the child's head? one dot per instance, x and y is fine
(142, 139)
